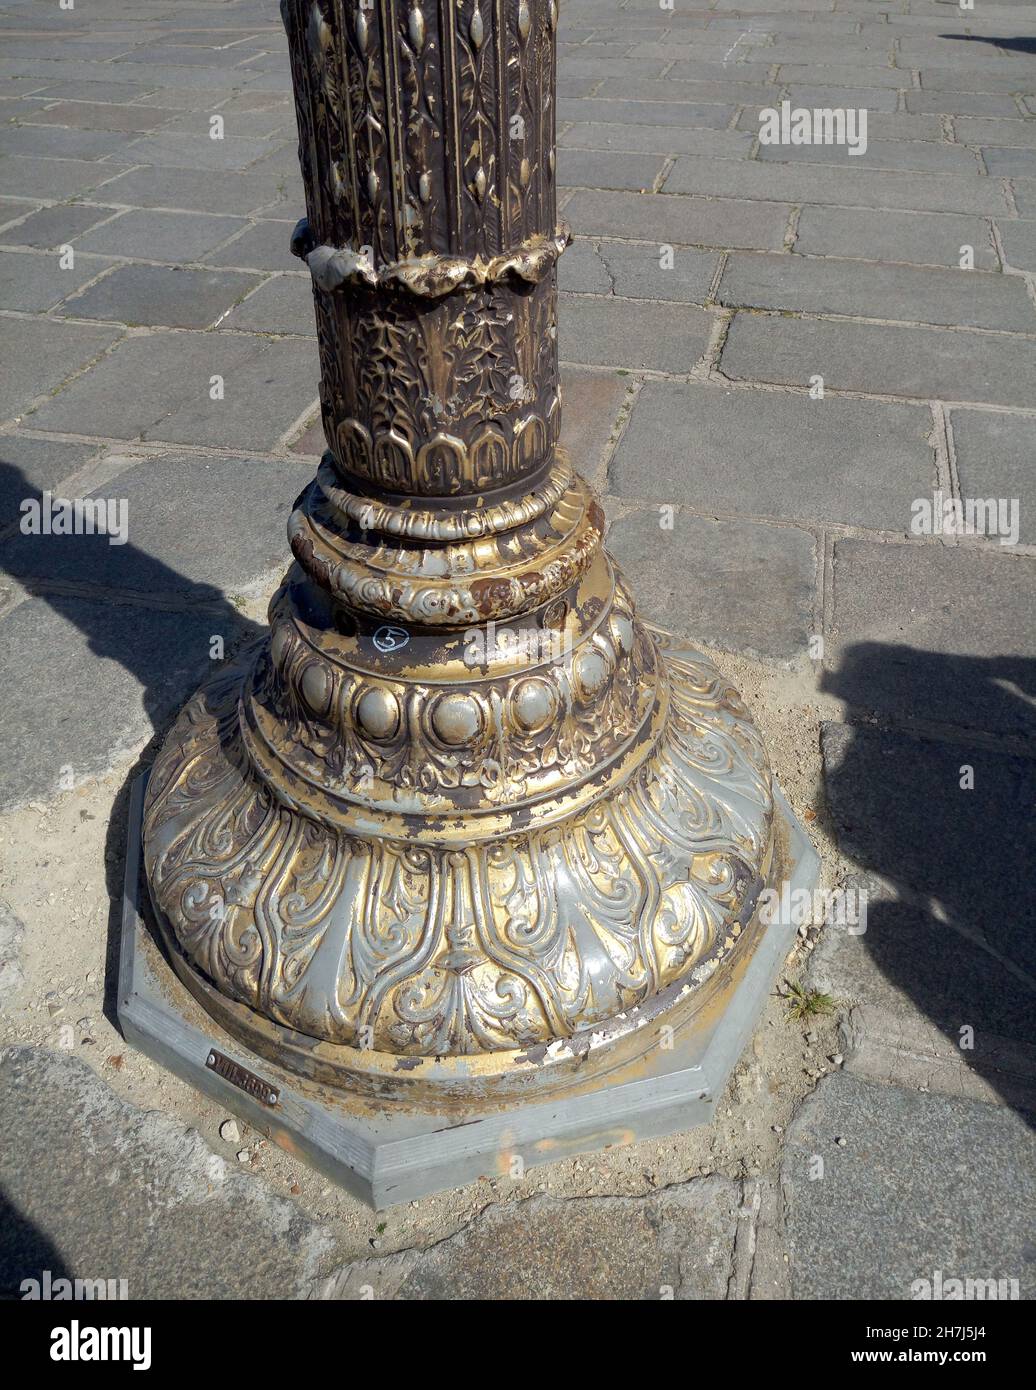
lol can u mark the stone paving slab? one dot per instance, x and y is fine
(283, 304)
(922, 1184)
(680, 221)
(925, 156)
(656, 139)
(962, 103)
(592, 403)
(261, 246)
(849, 187)
(863, 290)
(90, 115)
(1025, 197)
(737, 585)
(978, 131)
(157, 386)
(996, 369)
(189, 189)
(880, 99)
(856, 462)
(593, 168)
(206, 495)
(34, 283)
(1010, 163)
(881, 125)
(720, 89)
(994, 455)
(88, 680)
(1018, 240)
(711, 115)
(33, 465)
(144, 234)
(632, 333)
(922, 238)
(41, 353)
(638, 271)
(53, 142)
(25, 177)
(49, 228)
(161, 296)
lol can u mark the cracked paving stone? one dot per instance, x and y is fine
(677, 1244)
(639, 270)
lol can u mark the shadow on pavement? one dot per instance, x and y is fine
(25, 1252)
(943, 832)
(116, 630)
(1021, 45)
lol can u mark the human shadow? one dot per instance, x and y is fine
(940, 823)
(120, 604)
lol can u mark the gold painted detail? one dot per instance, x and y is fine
(341, 268)
(483, 731)
(414, 523)
(446, 397)
(392, 944)
(450, 585)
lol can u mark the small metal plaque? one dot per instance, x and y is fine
(242, 1078)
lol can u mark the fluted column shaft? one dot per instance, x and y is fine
(426, 140)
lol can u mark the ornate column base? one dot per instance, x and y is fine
(643, 906)
(431, 1124)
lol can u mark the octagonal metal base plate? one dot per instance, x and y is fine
(389, 1152)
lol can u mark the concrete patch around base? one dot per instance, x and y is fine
(395, 1153)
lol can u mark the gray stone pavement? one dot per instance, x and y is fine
(771, 355)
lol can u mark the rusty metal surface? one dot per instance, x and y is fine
(462, 805)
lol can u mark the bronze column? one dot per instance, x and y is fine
(463, 824)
